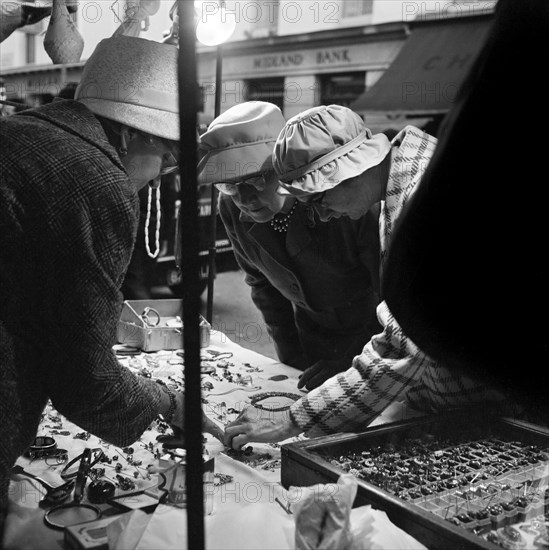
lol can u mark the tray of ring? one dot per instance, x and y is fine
(458, 480)
(153, 325)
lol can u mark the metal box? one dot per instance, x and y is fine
(153, 325)
(450, 481)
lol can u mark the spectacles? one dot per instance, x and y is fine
(257, 181)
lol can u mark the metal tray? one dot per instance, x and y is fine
(145, 324)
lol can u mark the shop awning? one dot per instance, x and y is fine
(427, 72)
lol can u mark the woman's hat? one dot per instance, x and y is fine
(133, 81)
(323, 146)
(239, 142)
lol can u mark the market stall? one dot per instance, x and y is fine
(243, 488)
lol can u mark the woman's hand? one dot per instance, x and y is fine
(318, 373)
(259, 425)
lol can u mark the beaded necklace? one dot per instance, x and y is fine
(254, 399)
(280, 221)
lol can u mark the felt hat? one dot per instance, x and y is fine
(133, 81)
(239, 142)
(323, 146)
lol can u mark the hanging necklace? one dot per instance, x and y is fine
(280, 221)
(147, 221)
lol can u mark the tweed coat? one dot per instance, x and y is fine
(68, 217)
(391, 367)
(317, 286)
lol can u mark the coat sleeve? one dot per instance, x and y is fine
(80, 245)
(387, 367)
(276, 310)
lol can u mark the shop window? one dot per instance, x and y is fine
(342, 88)
(265, 89)
(356, 8)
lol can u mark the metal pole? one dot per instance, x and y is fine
(213, 201)
(188, 107)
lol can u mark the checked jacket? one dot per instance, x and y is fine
(391, 367)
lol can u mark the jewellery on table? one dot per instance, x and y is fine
(58, 517)
(243, 388)
(147, 321)
(254, 399)
(97, 455)
(280, 221)
(221, 479)
(42, 446)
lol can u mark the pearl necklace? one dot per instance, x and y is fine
(280, 222)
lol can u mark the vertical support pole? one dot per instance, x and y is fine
(188, 106)
(213, 201)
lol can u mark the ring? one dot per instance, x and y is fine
(145, 317)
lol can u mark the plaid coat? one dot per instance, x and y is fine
(68, 216)
(390, 367)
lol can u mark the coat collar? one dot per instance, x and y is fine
(76, 119)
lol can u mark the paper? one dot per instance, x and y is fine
(256, 526)
(372, 529)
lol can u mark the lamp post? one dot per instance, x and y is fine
(188, 107)
(215, 26)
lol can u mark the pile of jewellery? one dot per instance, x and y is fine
(495, 487)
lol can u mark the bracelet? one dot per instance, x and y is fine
(168, 417)
(254, 399)
(97, 454)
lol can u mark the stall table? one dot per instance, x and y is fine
(242, 481)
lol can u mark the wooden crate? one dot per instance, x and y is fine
(307, 462)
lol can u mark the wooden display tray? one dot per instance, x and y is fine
(303, 465)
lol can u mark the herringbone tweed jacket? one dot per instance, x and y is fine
(68, 217)
(391, 367)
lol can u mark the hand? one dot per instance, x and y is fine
(178, 420)
(318, 373)
(259, 425)
(209, 426)
(178, 437)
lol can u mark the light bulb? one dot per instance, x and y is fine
(215, 24)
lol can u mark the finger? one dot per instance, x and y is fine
(239, 441)
(315, 381)
(231, 432)
(304, 378)
(213, 429)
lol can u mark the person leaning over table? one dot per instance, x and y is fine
(327, 158)
(70, 172)
(316, 284)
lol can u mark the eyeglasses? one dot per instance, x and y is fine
(257, 181)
